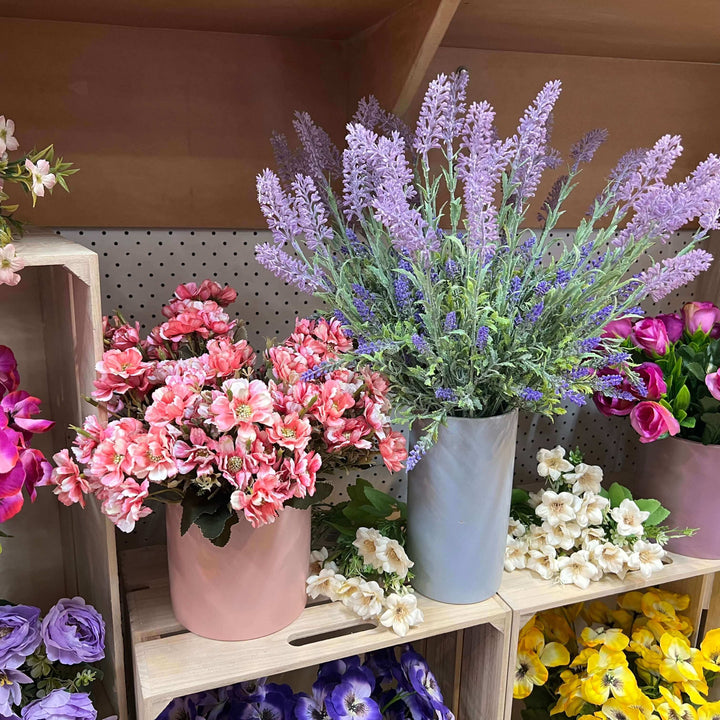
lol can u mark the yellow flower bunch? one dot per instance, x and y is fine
(634, 662)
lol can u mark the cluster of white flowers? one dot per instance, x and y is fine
(579, 537)
(366, 598)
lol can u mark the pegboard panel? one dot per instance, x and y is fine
(140, 268)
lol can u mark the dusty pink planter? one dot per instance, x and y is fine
(252, 587)
(685, 477)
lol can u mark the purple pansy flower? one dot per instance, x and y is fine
(180, 709)
(351, 700)
(421, 679)
(61, 705)
(312, 708)
(19, 634)
(74, 632)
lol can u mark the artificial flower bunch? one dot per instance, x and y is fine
(21, 467)
(366, 567)
(576, 532)
(634, 662)
(47, 663)
(420, 242)
(35, 173)
(193, 421)
(380, 687)
(669, 381)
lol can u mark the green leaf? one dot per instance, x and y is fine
(682, 399)
(322, 491)
(520, 496)
(617, 493)
(381, 501)
(195, 504)
(657, 512)
(222, 539)
(711, 419)
(688, 422)
(697, 370)
(212, 525)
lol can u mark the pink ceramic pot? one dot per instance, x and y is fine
(254, 586)
(684, 475)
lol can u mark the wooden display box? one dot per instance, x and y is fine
(52, 322)
(465, 645)
(526, 594)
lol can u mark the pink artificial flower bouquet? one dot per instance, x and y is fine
(21, 467)
(666, 377)
(192, 420)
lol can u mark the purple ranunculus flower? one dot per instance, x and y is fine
(19, 634)
(351, 700)
(61, 705)
(74, 632)
(10, 691)
(674, 325)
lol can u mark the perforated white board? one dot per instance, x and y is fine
(139, 270)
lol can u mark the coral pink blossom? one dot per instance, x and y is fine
(393, 450)
(124, 504)
(652, 420)
(225, 358)
(332, 335)
(290, 431)
(111, 461)
(287, 366)
(151, 456)
(351, 432)
(232, 461)
(333, 402)
(122, 363)
(70, 485)
(263, 503)
(242, 402)
(169, 404)
(303, 469)
(197, 456)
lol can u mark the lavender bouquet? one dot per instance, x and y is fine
(420, 241)
(47, 664)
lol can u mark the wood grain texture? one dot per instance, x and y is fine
(638, 101)
(168, 127)
(648, 29)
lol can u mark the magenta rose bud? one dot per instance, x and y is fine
(713, 384)
(618, 328)
(674, 325)
(615, 406)
(700, 316)
(651, 420)
(9, 377)
(650, 334)
(74, 632)
(654, 381)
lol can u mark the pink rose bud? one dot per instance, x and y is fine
(611, 406)
(652, 420)
(700, 316)
(713, 384)
(674, 325)
(652, 375)
(650, 334)
(618, 328)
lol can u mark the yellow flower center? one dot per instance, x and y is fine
(235, 464)
(243, 412)
(288, 432)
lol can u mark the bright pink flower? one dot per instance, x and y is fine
(122, 363)
(394, 451)
(350, 432)
(700, 316)
(9, 376)
(151, 456)
(124, 504)
(85, 442)
(232, 461)
(196, 457)
(611, 406)
(287, 366)
(650, 334)
(185, 324)
(111, 461)
(652, 420)
(290, 431)
(225, 357)
(333, 402)
(168, 405)
(674, 325)
(262, 503)
(652, 375)
(618, 328)
(11, 482)
(20, 406)
(37, 470)
(712, 381)
(240, 404)
(302, 469)
(9, 453)
(70, 485)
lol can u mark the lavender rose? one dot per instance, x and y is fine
(74, 632)
(61, 705)
(19, 634)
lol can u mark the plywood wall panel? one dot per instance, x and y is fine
(636, 100)
(169, 127)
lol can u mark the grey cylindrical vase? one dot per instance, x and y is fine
(458, 508)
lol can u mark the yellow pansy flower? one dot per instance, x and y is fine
(693, 690)
(622, 619)
(611, 638)
(672, 707)
(710, 711)
(631, 601)
(679, 602)
(710, 649)
(616, 709)
(655, 608)
(608, 674)
(596, 613)
(581, 659)
(570, 701)
(677, 664)
(556, 627)
(646, 671)
(529, 672)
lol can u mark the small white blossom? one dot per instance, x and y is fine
(564, 535)
(577, 569)
(10, 264)
(629, 518)
(537, 539)
(535, 498)
(41, 177)
(367, 600)
(8, 141)
(347, 589)
(552, 463)
(515, 528)
(393, 558)
(610, 558)
(586, 478)
(646, 558)
(402, 613)
(369, 541)
(515, 554)
(590, 537)
(544, 564)
(317, 560)
(557, 508)
(327, 582)
(592, 509)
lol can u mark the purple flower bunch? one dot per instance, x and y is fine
(380, 687)
(52, 652)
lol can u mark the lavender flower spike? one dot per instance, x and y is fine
(664, 278)
(276, 207)
(311, 214)
(322, 155)
(586, 147)
(434, 114)
(288, 268)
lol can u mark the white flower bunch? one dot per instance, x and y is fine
(576, 532)
(393, 602)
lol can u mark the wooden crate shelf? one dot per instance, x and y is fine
(52, 321)
(526, 593)
(170, 662)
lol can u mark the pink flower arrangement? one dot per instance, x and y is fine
(666, 378)
(21, 467)
(193, 420)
